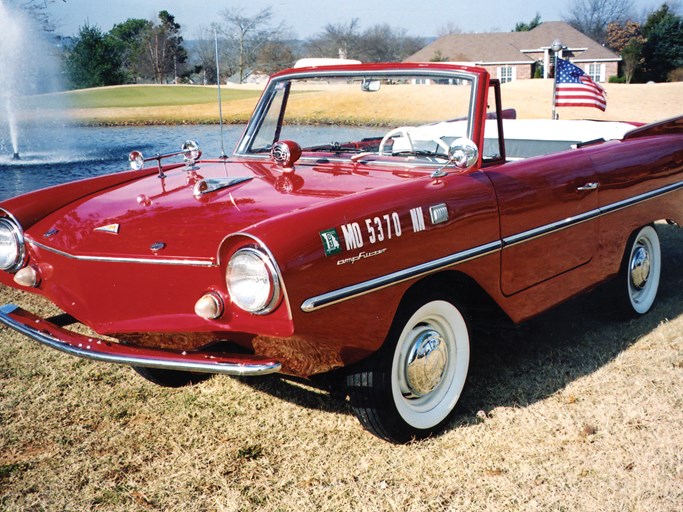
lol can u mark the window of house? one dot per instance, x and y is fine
(596, 71)
(506, 74)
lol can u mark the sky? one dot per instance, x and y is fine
(307, 18)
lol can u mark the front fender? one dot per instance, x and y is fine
(30, 208)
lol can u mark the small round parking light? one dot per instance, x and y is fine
(209, 306)
(27, 276)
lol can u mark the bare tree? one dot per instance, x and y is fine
(448, 29)
(204, 53)
(382, 43)
(336, 40)
(245, 35)
(36, 9)
(592, 16)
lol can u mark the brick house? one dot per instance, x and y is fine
(512, 56)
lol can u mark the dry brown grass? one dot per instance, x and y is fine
(573, 411)
(531, 98)
(625, 102)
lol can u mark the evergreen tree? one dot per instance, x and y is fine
(93, 61)
(663, 48)
(127, 38)
(526, 27)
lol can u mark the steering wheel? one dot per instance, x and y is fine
(405, 132)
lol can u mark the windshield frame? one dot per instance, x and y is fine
(281, 81)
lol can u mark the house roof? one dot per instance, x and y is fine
(514, 47)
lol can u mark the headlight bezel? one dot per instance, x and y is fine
(270, 298)
(19, 259)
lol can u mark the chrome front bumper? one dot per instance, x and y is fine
(96, 349)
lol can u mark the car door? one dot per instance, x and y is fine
(548, 217)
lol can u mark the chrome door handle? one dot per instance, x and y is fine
(589, 186)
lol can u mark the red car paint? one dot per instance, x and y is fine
(529, 233)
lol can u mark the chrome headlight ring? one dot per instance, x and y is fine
(253, 281)
(12, 246)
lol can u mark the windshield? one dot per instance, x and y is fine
(390, 114)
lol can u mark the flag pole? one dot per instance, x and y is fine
(556, 48)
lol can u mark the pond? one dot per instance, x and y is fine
(61, 153)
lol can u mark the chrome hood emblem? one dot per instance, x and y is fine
(208, 185)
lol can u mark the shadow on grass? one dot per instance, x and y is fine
(517, 365)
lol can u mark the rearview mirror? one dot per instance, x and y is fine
(368, 85)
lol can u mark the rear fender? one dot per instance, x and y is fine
(666, 127)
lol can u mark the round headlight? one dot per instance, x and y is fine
(11, 246)
(252, 281)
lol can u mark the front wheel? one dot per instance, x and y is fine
(408, 390)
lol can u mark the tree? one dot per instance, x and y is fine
(439, 57)
(204, 53)
(336, 40)
(127, 38)
(663, 48)
(274, 56)
(448, 29)
(627, 40)
(526, 27)
(37, 10)
(163, 52)
(246, 35)
(382, 43)
(378, 43)
(592, 16)
(93, 61)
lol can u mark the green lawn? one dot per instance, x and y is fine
(143, 96)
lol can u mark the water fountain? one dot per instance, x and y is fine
(27, 67)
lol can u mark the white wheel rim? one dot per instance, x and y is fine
(427, 409)
(644, 267)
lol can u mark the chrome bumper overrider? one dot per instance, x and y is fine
(96, 349)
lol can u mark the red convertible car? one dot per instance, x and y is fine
(365, 212)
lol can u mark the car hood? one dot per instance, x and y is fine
(164, 217)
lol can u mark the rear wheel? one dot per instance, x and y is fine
(170, 378)
(409, 389)
(638, 282)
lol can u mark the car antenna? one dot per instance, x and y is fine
(220, 103)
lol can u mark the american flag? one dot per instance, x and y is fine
(574, 88)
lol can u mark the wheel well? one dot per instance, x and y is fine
(459, 287)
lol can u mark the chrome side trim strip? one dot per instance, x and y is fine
(356, 290)
(378, 283)
(589, 215)
(113, 259)
(95, 349)
(641, 197)
(550, 228)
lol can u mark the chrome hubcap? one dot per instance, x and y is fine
(426, 363)
(640, 267)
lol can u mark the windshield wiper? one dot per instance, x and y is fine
(419, 152)
(333, 147)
